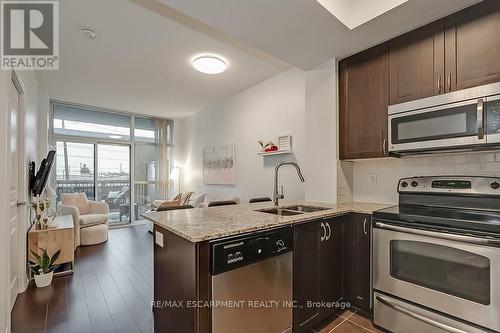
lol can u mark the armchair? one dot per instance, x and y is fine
(89, 217)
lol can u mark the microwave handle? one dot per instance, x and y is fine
(480, 119)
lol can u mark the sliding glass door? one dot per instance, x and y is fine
(75, 168)
(113, 181)
(113, 157)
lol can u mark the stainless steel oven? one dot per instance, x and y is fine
(436, 256)
(457, 275)
(467, 119)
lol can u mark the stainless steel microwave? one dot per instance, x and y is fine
(468, 119)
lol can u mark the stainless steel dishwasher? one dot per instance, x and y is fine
(252, 282)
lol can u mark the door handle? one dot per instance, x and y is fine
(364, 226)
(439, 86)
(324, 231)
(480, 119)
(417, 316)
(449, 82)
(329, 231)
(445, 236)
(384, 144)
(20, 203)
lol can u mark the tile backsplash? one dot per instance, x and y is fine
(376, 180)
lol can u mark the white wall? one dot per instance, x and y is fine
(28, 151)
(388, 171)
(265, 111)
(321, 133)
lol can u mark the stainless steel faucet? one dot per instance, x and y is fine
(276, 194)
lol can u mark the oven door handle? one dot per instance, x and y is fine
(417, 316)
(452, 237)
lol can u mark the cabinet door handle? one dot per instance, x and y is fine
(324, 231)
(480, 121)
(449, 82)
(364, 226)
(384, 144)
(329, 231)
(439, 85)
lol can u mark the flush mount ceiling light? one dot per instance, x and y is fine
(89, 33)
(209, 64)
(353, 13)
(113, 136)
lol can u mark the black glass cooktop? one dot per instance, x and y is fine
(473, 220)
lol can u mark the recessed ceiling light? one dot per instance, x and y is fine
(209, 64)
(89, 33)
(115, 136)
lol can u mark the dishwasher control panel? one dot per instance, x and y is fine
(231, 253)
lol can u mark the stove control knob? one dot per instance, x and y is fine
(280, 245)
(414, 184)
(404, 184)
(495, 185)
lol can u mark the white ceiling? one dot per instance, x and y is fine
(302, 32)
(140, 61)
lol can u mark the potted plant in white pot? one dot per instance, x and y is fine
(43, 267)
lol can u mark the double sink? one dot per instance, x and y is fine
(292, 210)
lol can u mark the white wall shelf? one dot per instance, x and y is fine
(276, 152)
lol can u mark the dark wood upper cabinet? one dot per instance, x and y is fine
(457, 52)
(416, 64)
(473, 46)
(363, 101)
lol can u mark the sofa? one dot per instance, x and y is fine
(89, 217)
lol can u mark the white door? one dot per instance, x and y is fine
(13, 175)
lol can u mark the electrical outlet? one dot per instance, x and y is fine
(159, 238)
(372, 178)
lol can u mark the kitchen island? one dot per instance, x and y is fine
(182, 256)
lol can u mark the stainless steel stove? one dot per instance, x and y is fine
(436, 256)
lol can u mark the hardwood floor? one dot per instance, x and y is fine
(111, 291)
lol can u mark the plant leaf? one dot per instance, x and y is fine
(34, 269)
(36, 256)
(45, 262)
(54, 257)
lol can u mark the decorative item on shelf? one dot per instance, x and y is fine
(284, 146)
(43, 267)
(285, 142)
(50, 197)
(41, 207)
(269, 147)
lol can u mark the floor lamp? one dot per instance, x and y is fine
(175, 175)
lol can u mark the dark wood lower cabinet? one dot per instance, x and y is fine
(181, 275)
(318, 259)
(332, 263)
(357, 261)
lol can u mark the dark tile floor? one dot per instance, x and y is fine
(111, 291)
(350, 321)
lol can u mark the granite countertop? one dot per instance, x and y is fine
(201, 224)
